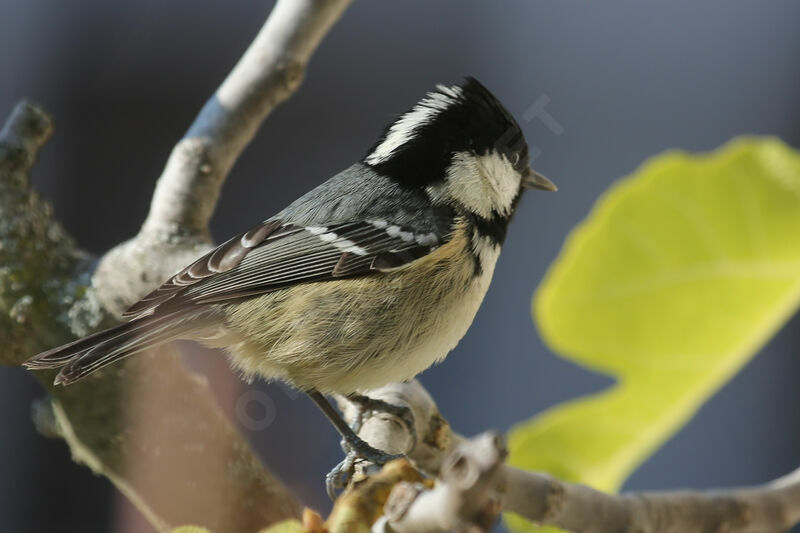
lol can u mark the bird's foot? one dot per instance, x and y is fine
(360, 456)
(357, 452)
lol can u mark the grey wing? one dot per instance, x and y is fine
(274, 255)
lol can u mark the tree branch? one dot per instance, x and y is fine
(157, 446)
(38, 260)
(23, 135)
(267, 74)
(456, 505)
(148, 424)
(769, 508)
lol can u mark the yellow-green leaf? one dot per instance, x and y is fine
(676, 279)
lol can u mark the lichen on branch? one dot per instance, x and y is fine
(38, 260)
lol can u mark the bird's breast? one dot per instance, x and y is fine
(357, 334)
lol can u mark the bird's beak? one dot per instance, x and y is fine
(533, 180)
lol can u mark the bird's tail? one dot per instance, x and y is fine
(89, 354)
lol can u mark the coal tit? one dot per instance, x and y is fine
(368, 279)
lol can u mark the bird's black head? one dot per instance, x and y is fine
(461, 145)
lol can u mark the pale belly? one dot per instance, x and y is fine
(358, 334)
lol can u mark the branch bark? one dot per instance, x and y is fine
(148, 424)
(267, 74)
(456, 505)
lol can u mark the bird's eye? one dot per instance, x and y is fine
(515, 158)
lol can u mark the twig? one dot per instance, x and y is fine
(175, 231)
(266, 75)
(769, 508)
(34, 249)
(543, 499)
(25, 132)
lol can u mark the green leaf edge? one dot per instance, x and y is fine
(641, 177)
(603, 208)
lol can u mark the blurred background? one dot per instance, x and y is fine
(621, 81)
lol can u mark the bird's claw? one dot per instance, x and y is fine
(338, 477)
(357, 452)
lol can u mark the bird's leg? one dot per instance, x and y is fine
(365, 403)
(356, 447)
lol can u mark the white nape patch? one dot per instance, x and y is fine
(405, 128)
(484, 184)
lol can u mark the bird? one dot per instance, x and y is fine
(368, 279)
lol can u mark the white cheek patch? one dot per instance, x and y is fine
(483, 184)
(405, 128)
